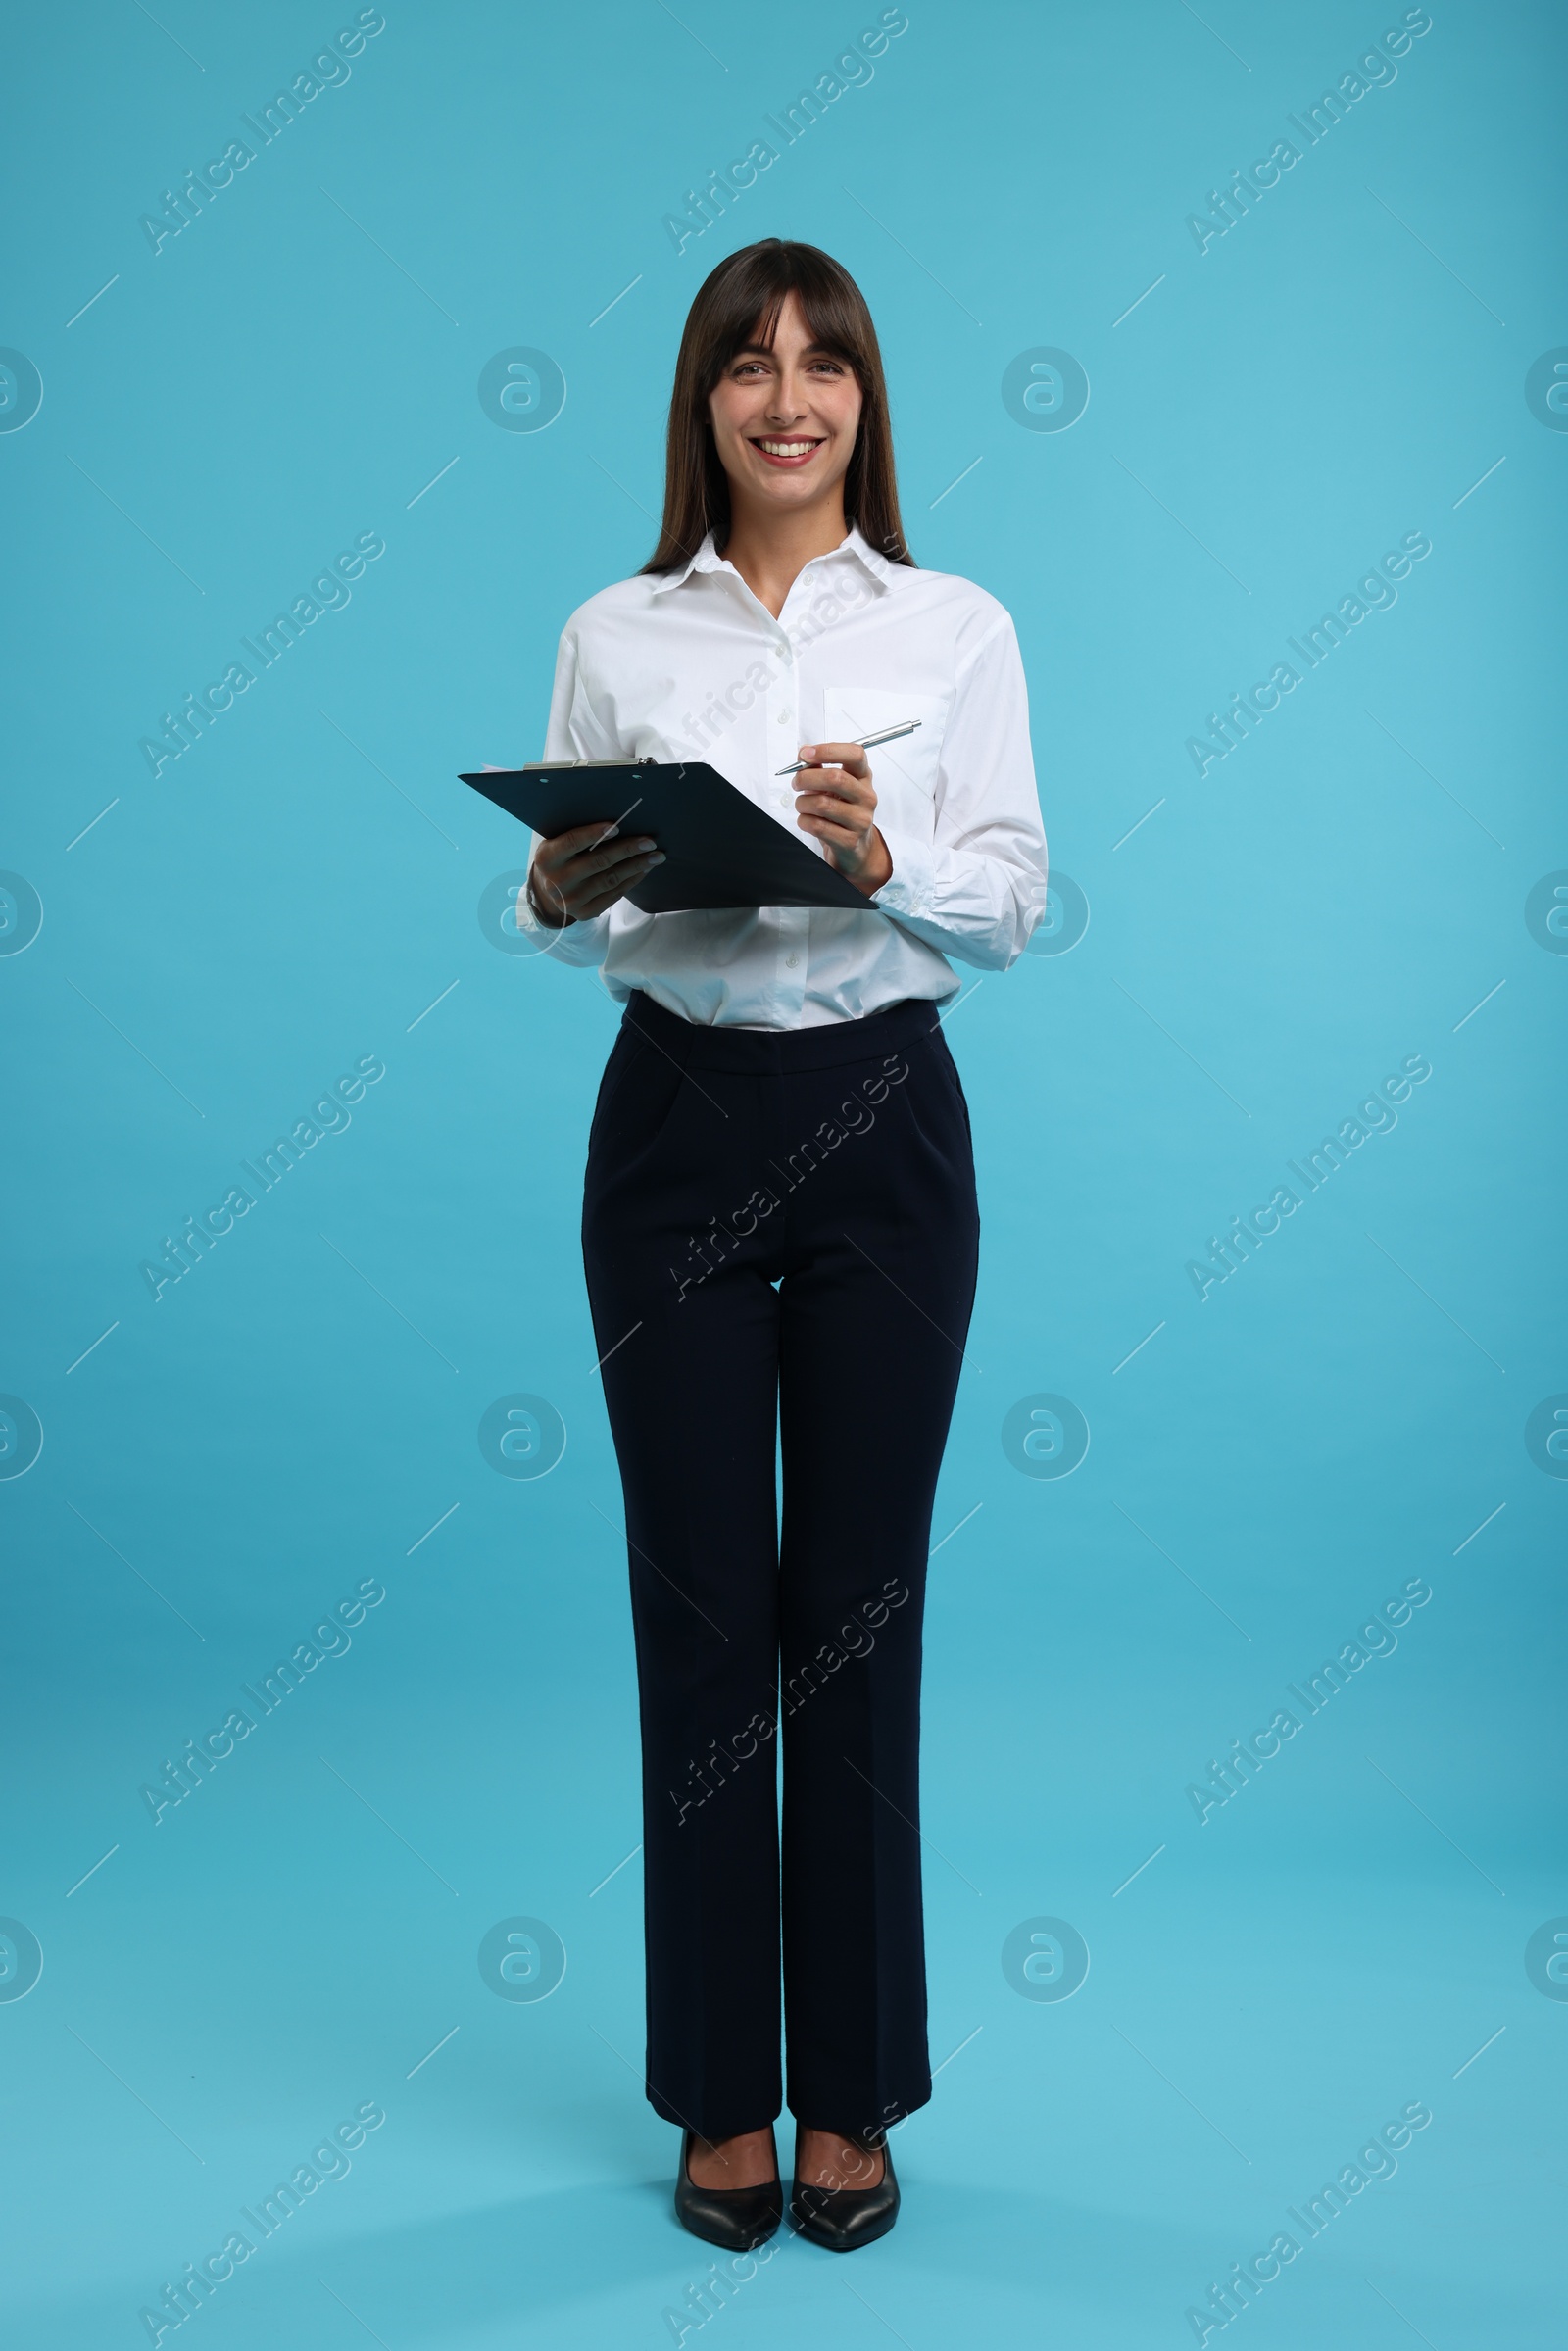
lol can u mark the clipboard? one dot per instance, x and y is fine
(720, 849)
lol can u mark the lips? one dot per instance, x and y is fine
(786, 453)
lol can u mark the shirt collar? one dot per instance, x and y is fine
(707, 558)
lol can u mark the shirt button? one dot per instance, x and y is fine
(791, 961)
(783, 718)
(786, 799)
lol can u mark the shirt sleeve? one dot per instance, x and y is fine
(975, 888)
(567, 738)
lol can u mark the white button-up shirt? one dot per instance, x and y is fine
(689, 664)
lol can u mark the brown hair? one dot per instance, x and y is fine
(736, 305)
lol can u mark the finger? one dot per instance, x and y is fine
(835, 779)
(850, 756)
(596, 892)
(824, 809)
(562, 846)
(608, 858)
(841, 781)
(558, 855)
(831, 801)
(836, 836)
(834, 791)
(592, 871)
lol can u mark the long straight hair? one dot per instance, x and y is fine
(737, 307)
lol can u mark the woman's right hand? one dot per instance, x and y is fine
(577, 875)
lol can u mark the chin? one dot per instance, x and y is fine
(796, 489)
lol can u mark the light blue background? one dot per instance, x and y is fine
(1338, 1417)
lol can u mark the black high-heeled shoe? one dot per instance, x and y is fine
(843, 2219)
(740, 2218)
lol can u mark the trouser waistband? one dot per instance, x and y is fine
(779, 1051)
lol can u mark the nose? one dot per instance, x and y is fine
(786, 405)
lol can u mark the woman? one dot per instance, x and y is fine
(779, 1225)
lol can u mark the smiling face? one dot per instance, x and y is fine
(785, 421)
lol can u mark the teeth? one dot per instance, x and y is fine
(788, 448)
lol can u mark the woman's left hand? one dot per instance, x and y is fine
(837, 802)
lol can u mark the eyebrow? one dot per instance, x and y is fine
(762, 351)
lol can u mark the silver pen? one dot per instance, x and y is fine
(889, 734)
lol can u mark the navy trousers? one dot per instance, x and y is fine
(781, 1235)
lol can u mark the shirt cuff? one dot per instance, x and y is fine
(529, 922)
(580, 943)
(912, 882)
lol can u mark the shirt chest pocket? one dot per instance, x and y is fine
(905, 772)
